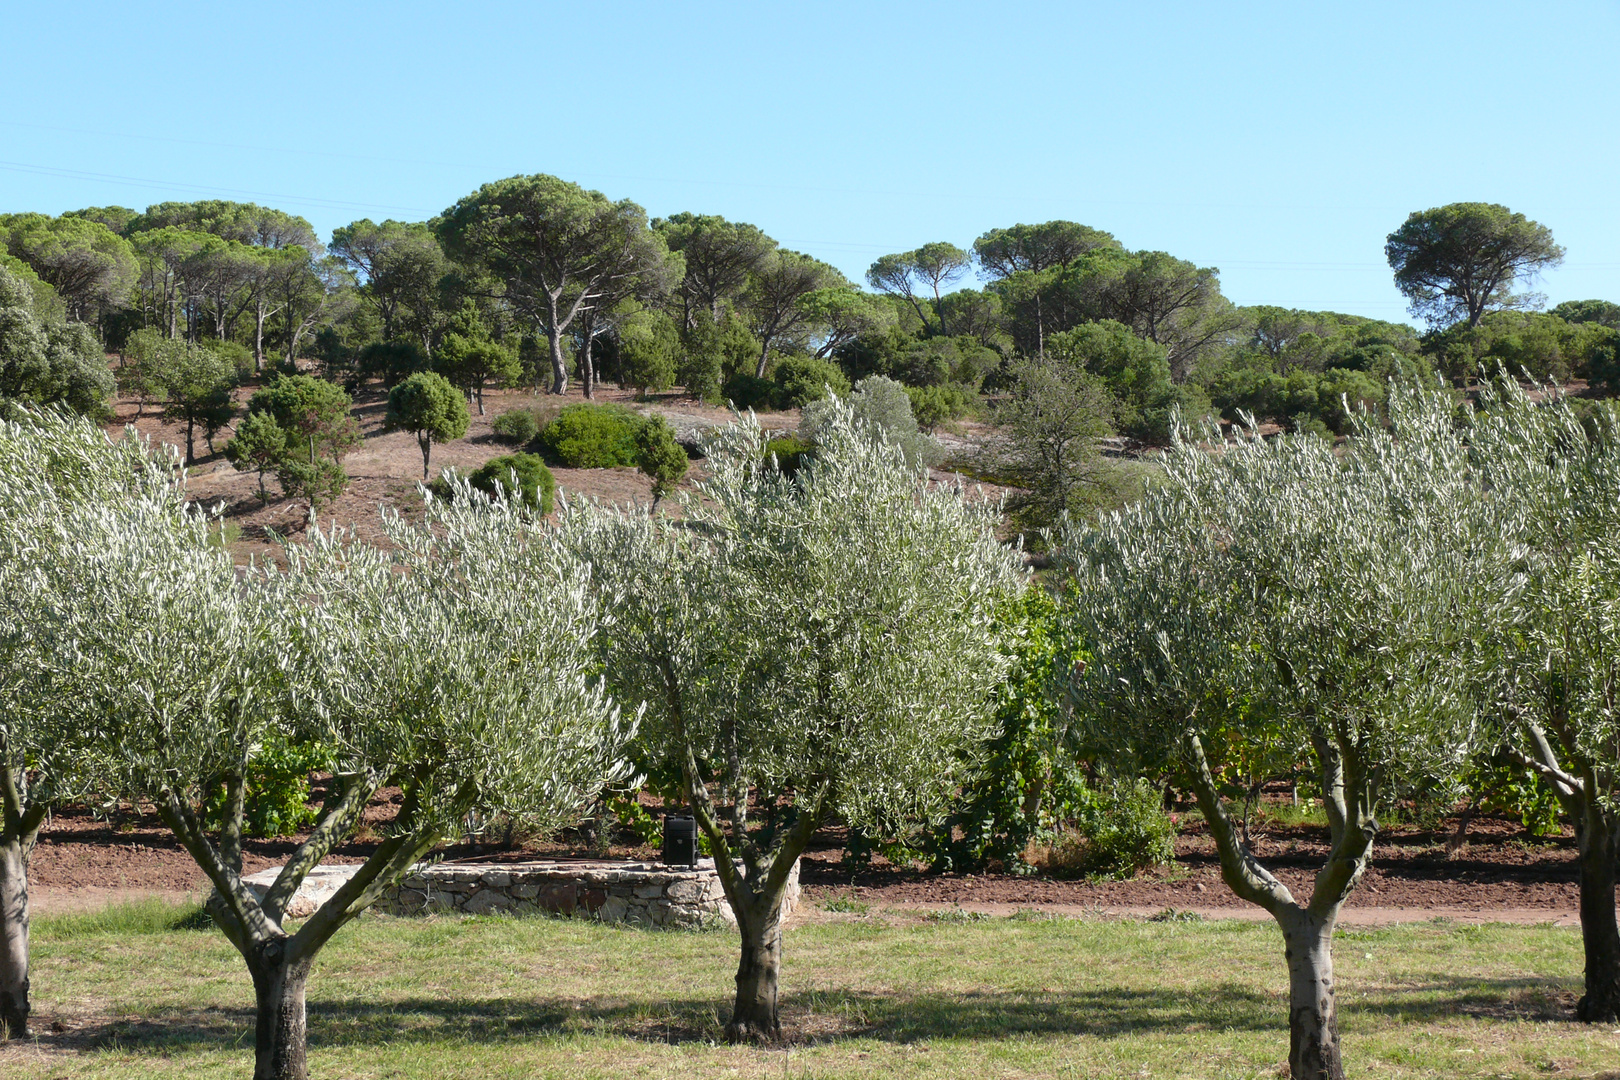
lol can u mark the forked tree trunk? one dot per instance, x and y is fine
(14, 1002)
(1313, 1015)
(1600, 936)
(280, 1033)
(754, 1017)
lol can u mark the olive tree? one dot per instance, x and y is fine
(1277, 601)
(55, 473)
(1557, 673)
(823, 642)
(452, 666)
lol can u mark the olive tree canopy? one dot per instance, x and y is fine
(453, 666)
(1273, 602)
(57, 475)
(1556, 671)
(823, 641)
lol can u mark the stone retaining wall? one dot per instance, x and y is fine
(648, 894)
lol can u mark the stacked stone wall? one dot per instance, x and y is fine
(647, 894)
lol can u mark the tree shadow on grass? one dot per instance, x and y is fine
(820, 1016)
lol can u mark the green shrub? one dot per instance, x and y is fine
(277, 799)
(240, 357)
(516, 426)
(319, 482)
(933, 405)
(803, 379)
(649, 349)
(592, 437)
(1029, 781)
(744, 391)
(538, 486)
(392, 361)
(659, 457)
(702, 374)
(1126, 831)
(790, 452)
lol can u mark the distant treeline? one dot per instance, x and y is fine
(536, 280)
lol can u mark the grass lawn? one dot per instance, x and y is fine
(879, 995)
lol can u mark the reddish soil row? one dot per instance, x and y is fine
(1500, 867)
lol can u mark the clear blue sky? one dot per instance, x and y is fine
(1279, 142)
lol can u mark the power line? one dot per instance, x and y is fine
(168, 185)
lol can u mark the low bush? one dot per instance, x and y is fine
(933, 405)
(659, 457)
(277, 788)
(789, 451)
(537, 486)
(745, 391)
(802, 379)
(319, 482)
(516, 426)
(1124, 831)
(592, 437)
(239, 356)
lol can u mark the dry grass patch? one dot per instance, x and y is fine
(1028, 996)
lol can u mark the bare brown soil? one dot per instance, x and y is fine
(1500, 872)
(387, 467)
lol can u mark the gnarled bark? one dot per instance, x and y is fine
(754, 1016)
(1597, 834)
(1347, 794)
(280, 1029)
(1313, 1016)
(20, 820)
(280, 963)
(14, 1001)
(1600, 935)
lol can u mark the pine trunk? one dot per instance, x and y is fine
(1599, 933)
(754, 1017)
(559, 370)
(280, 1032)
(14, 1003)
(1313, 1016)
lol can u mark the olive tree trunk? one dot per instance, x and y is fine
(1600, 935)
(755, 886)
(20, 820)
(1577, 784)
(279, 963)
(280, 1033)
(14, 1003)
(754, 1015)
(1313, 1016)
(1600, 1004)
(1307, 929)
